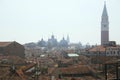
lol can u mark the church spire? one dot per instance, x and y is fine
(104, 10)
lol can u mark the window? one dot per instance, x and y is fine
(118, 52)
(114, 52)
(104, 25)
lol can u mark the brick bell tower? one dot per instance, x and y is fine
(104, 26)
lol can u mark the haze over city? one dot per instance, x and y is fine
(30, 20)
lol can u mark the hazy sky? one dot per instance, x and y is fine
(30, 20)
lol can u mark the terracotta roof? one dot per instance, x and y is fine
(3, 44)
(27, 67)
(114, 47)
(112, 61)
(97, 48)
(76, 69)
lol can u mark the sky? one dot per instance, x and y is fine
(27, 21)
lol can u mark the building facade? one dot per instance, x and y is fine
(113, 51)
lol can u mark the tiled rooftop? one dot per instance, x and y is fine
(3, 44)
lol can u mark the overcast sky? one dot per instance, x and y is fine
(30, 20)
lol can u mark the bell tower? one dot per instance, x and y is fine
(104, 26)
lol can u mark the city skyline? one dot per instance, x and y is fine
(27, 21)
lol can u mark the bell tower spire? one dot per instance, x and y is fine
(104, 10)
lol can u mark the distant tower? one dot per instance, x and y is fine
(52, 37)
(68, 39)
(104, 26)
